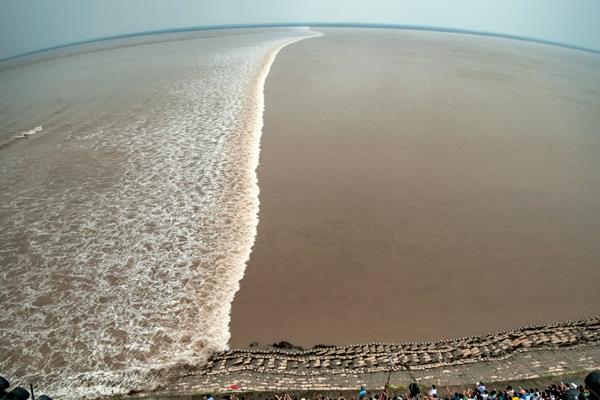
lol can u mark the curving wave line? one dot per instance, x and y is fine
(132, 260)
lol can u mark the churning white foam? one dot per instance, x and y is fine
(122, 252)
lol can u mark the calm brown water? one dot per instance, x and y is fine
(419, 185)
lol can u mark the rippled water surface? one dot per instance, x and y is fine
(127, 206)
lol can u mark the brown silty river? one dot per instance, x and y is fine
(423, 185)
(128, 205)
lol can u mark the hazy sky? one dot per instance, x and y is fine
(27, 25)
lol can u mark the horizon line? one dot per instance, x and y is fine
(311, 25)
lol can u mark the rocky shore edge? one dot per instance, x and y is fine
(538, 352)
(381, 357)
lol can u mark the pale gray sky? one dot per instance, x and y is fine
(28, 25)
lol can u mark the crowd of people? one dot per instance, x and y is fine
(480, 391)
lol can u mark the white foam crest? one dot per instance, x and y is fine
(131, 257)
(23, 135)
(31, 131)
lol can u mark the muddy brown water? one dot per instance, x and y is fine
(423, 185)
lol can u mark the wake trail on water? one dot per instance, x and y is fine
(130, 237)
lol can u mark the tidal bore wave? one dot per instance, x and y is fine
(126, 227)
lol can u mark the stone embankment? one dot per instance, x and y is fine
(381, 357)
(532, 352)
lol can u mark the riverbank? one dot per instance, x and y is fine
(534, 352)
(395, 389)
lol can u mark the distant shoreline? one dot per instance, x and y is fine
(305, 24)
